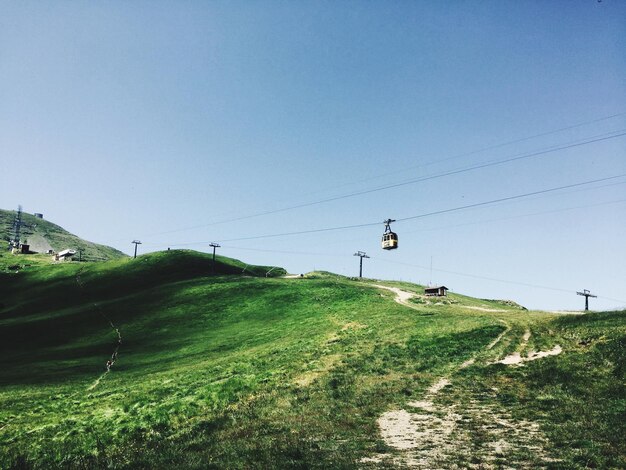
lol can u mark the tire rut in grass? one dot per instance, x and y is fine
(516, 359)
(110, 362)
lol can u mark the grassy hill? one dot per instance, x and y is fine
(43, 235)
(222, 367)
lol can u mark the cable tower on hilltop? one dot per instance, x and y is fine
(17, 227)
(136, 242)
(587, 294)
(361, 255)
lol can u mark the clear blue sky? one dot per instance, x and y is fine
(123, 120)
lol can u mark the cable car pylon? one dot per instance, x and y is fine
(390, 239)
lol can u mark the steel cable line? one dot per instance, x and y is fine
(529, 214)
(428, 214)
(300, 232)
(532, 214)
(554, 211)
(510, 198)
(422, 179)
(472, 152)
(593, 139)
(304, 253)
(480, 150)
(623, 302)
(307, 253)
(492, 147)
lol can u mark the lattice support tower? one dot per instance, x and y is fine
(17, 227)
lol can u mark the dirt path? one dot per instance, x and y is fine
(113, 358)
(402, 296)
(472, 431)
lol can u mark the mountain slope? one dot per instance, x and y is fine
(43, 235)
(230, 369)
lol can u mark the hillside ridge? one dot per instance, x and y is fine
(43, 235)
(171, 360)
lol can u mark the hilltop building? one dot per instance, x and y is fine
(22, 248)
(64, 255)
(437, 291)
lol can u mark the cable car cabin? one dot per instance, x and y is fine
(390, 241)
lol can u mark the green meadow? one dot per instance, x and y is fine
(226, 366)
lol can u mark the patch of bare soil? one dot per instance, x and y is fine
(402, 296)
(517, 359)
(472, 433)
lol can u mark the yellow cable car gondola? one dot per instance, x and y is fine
(390, 239)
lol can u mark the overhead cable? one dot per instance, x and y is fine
(518, 157)
(493, 147)
(428, 214)
(509, 198)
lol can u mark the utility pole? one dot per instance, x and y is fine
(361, 255)
(80, 255)
(215, 245)
(587, 294)
(136, 242)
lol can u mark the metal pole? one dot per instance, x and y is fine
(587, 294)
(214, 245)
(136, 242)
(361, 255)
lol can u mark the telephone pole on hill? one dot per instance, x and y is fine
(214, 245)
(136, 242)
(361, 255)
(587, 294)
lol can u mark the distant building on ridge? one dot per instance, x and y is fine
(64, 255)
(437, 291)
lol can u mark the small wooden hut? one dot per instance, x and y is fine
(436, 291)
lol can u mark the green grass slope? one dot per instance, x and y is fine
(41, 232)
(222, 367)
